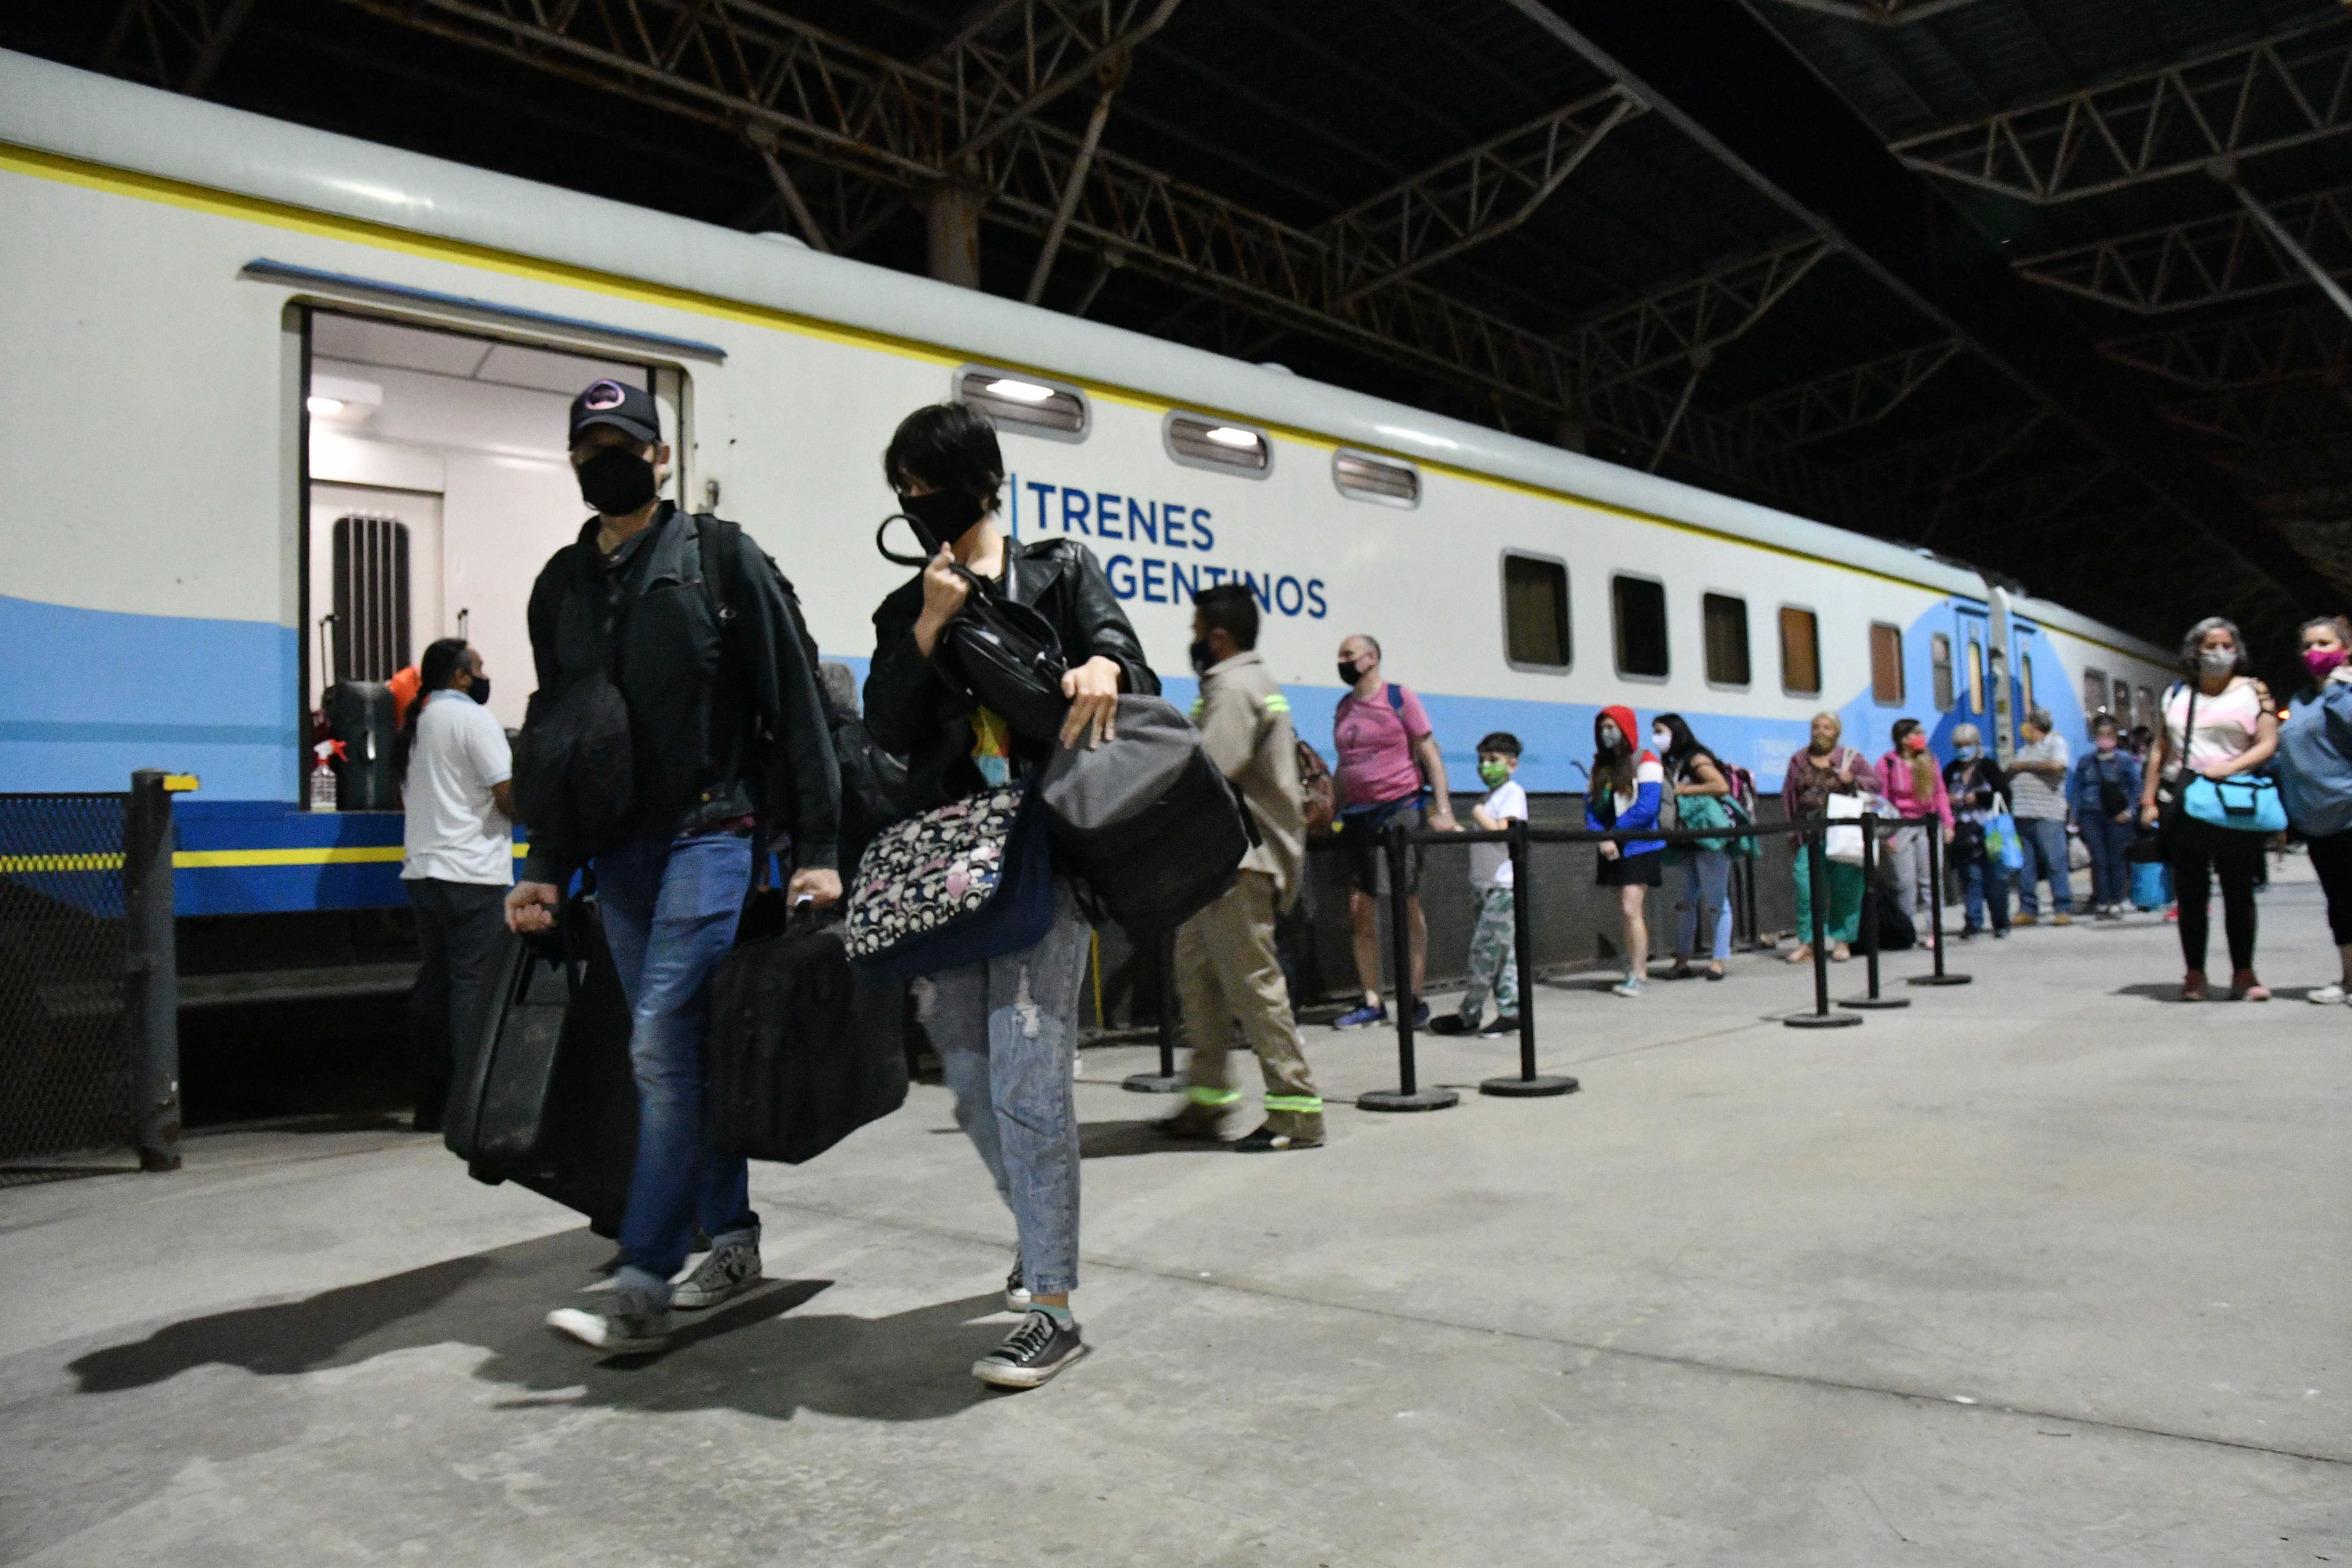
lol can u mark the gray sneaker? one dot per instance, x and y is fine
(727, 1273)
(1032, 1352)
(627, 1327)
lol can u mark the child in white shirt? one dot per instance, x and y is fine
(1493, 956)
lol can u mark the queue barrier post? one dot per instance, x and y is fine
(1817, 852)
(1409, 1095)
(1529, 1084)
(1936, 910)
(1166, 1081)
(1871, 999)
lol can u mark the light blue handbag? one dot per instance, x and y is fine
(2250, 803)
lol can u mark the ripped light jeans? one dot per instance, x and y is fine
(1006, 1031)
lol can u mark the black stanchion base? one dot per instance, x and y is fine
(1526, 1088)
(1870, 1003)
(1398, 1100)
(1152, 1083)
(1821, 1020)
(1939, 980)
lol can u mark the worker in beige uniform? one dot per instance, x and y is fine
(1226, 971)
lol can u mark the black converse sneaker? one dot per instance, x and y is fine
(1017, 1288)
(727, 1273)
(1042, 1346)
(626, 1327)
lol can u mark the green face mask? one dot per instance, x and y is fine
(1494, 773)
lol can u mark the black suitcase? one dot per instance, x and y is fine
(805, 1048)
(546, 1098)
(359, 714)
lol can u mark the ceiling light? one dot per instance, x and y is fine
(323, 408)
(1018, 390)
(1232, 435)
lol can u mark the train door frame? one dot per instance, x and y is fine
(673, 388)
(1972, 626)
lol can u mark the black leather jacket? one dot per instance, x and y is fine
(724, 723)
(914, 713)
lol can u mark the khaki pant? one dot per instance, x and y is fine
(1226, 974)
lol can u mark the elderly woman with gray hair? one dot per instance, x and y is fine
(2217, 723)
(2037, 799)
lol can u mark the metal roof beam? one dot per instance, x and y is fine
(1688, 321)
(2229, 256)
(2259, 97)
(175, 44)
(1879, 13)
(1843, 401)
(2253, 351)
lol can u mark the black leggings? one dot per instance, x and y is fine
(2198, 851)
(2331, 857)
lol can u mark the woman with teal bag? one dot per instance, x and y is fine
(1703, 799)
(2218, 728)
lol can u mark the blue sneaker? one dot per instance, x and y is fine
(1365, 1017)
(1421, 1016)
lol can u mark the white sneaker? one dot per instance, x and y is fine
(1629, 986)
(2327, 994)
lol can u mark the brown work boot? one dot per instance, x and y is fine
(2024, 920)
(2062, 919)
(1197, 1123)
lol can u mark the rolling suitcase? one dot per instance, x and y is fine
(805, 1047)
(546, 1098)
(359, 714)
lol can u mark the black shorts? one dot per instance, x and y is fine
(1366, 857)
(1632, 870)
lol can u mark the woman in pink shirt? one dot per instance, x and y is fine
(1912, 781)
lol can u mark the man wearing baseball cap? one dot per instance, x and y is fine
(732, 759)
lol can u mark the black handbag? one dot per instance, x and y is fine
(1002, 653)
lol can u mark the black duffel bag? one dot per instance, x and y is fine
(1147, 819)
(803, 1047)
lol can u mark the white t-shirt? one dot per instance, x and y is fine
(456, 832)
(1490, 864)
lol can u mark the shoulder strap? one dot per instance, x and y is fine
(722, 564)
(1396, 698)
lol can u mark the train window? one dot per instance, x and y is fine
(1976, 679)
(2144, 708)
(2025, 675)
(1726, 619)
(1383, 479)
(1197, 441)
(2095, 691)
(1939, 654)
(1018, 400)
(2122, 707)
(1885, 665)
(1535, 613)
(1640, 606)
(1801, 652)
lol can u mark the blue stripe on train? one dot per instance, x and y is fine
(96, 694)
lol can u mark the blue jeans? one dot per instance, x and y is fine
(1006, 1031)
(2044, 841)
(671, 907)
(1983, 881)
(1706, 903)
(2110, 846)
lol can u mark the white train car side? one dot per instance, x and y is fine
(277, 374)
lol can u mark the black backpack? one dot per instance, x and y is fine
(1147, 819)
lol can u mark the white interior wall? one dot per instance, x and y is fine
(489, 457)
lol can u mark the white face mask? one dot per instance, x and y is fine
(1660, 741)
(2218, 660)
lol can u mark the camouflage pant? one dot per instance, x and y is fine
(1493, 958)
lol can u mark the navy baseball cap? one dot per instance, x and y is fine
(628, 409)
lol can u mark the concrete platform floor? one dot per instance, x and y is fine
(2045, 1269)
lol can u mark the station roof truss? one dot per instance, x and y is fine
(2104, 338)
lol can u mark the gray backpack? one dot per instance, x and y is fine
(1147, 819)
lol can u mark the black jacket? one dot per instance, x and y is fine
(725, 721)
(1974, 792)
(913, 712)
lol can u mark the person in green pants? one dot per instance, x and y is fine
(1823, 769)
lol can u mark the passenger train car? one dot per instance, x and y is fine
(288, 406)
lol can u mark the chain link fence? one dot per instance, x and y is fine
(67, 1057)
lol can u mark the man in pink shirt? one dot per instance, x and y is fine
(1388, 757)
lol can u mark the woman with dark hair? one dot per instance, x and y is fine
(2218, 723)
(2314, 775)
(1006, 1029)
(1913, 785)
(1700, 789)
(457, 859)
(1627, 786)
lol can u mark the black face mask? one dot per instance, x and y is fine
(1349, 675)
(617, 481)
(1203, 656)
(942, 517)
(480, 690)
